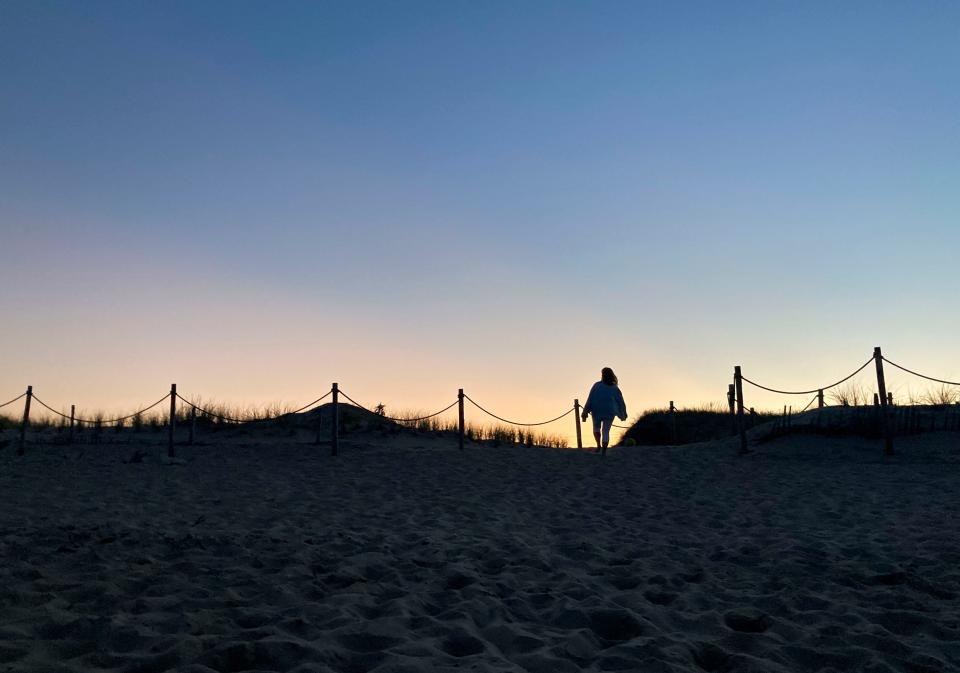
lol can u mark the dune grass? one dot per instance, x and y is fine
(703, 423)
(213, 415)
(494, 435)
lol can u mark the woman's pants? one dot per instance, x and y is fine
(602, 426)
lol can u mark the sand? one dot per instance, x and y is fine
(404, 554)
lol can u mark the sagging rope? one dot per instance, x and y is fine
(526, 425)
(207, 412)
(929, 378)
(100, 420)
(397, 419)
(810, 403)
(815, 390)
(18, 397)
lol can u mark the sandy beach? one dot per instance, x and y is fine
(404, 554)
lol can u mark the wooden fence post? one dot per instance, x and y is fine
(576, 415)
(820, 399)
(26, 421)
(738, 386)
(882, 385)
(193, 423)
(173, 420)
(876, 399)
(73, 414)
(335, 421)
(890, 399)
(673, 423)
(461, 429)
(732, 403)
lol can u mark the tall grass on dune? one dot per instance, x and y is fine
(707, 422)
(215, 415)
(494, 435)
(942, 396)
(851, 394)
(856, 395)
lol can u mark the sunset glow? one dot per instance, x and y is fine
(254, 204)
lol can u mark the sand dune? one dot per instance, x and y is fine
(404, 554)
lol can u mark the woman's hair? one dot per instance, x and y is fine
(608, 377)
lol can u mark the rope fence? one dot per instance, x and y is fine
(922, 376)
(399, 419)
(815, 390)
(15, 399)
(735, 398)
(104, 421)
(212, 414)
(810, 403)
(196, 408)
(518, 423)
(882, 398)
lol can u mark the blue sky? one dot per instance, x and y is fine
(255, 199)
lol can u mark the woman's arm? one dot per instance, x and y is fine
(588, 407)
(622, 404)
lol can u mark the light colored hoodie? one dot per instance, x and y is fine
(605, 402)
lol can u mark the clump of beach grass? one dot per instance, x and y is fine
(851, 394)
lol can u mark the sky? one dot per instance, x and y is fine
(256, 199)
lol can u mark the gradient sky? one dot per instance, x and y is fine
(256, 199)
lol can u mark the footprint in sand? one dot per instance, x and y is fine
(747, 621)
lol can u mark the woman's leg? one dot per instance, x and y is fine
(596, 431)
(607, 423)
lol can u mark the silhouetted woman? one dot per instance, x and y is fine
(605, 401)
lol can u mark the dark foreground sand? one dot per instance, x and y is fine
(404, 554)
